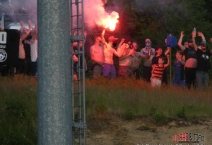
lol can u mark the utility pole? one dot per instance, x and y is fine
(54, 73)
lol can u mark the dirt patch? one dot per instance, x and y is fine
(142, 131)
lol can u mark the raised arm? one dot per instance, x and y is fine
(120, 50)
(30, 25)
(168, 61)
(180, 41)
(130, 53)
(121, 42)
(193, 34)
(24, 32)
(34, 33)
(103, 37)
(167, 51)
(202, 36)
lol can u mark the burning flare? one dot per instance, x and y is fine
(95, 14)
(109, 21)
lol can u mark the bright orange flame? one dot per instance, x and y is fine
(109, 21)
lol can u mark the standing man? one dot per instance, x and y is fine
(136, 60)
(97, 57)
(109, 70)
(147, 65)
(203, 64)
(125, 60)
(190, 59)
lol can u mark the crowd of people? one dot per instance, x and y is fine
(27, 53)
(191, 64)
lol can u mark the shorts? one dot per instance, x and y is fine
(155, 82)
(109, 70)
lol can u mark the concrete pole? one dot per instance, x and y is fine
(54, 73)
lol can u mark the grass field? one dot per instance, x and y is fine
(127, 99)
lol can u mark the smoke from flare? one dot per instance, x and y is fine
(95, 14)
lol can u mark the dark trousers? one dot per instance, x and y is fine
(6, 70)
(164, 79)
(28, 68)
(21, 69)
(190, 76)
(136, 73)
(33, 68)
(147, 73)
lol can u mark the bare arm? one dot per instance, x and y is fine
(193, 34)
(122, 40)
(120, 51)
(145, 56)
(167, 50)
(34, 33)
(167, 64)
(103, 38)
(202, 36)
(130, 53)
(24, 31)
(180, 41)
(30, 25)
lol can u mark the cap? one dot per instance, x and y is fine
(112, 38)
(190, 40)
(203, 43)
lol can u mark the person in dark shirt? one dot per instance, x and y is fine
(203, 66)
(190, 58)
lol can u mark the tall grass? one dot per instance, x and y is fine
(121, 97)
(18, 111)
(127, 99)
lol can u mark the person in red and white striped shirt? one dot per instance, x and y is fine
(157, 71)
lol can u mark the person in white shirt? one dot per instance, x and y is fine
(34, 50)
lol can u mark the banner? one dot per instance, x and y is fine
(9, 46)
(171, 41)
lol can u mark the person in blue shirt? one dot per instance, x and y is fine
(179, 74)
